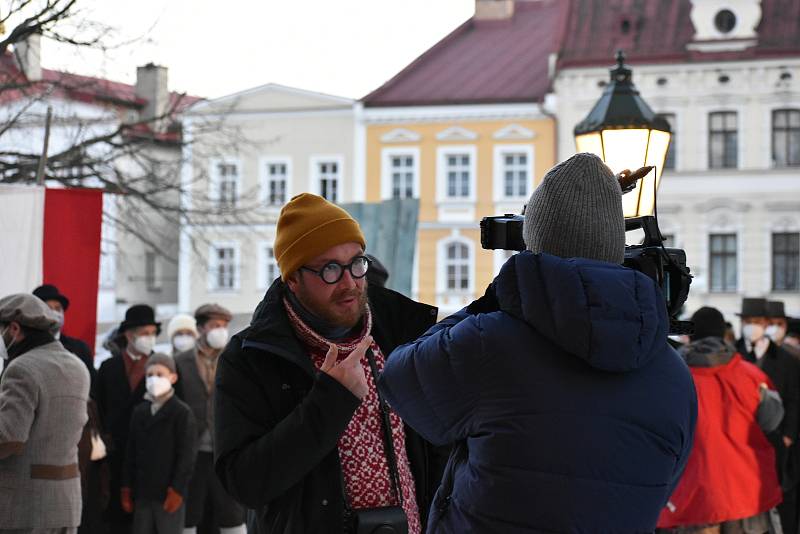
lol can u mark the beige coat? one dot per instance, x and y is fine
(43, 396)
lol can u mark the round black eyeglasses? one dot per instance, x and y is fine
(332, 272)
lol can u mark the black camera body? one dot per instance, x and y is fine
(666, 266)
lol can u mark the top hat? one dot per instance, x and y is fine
(775, 309)
(50, 292)
(753, 307)
(139, 315)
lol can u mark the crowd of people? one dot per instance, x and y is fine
(555, 402)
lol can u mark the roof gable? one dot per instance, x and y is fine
(273, 97)
(662, 31)
(484, 61)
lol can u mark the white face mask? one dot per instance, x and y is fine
(3, 348)
(157, 385)
(775, 332)
(60, 316)
(183, 342)
(144, 344)
(217, 338)
(752, 331)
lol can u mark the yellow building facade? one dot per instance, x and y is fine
(462, 163)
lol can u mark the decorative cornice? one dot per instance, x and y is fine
(514, 132)
(400, 135)
(456, 133)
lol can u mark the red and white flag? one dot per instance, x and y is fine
(52, 236)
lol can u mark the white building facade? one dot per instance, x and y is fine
(273, 142)
(730, 192)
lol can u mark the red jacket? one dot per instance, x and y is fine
(731, 470)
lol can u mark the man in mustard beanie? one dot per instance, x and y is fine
(301, 434)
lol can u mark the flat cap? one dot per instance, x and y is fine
(212, 311)
(27, 310)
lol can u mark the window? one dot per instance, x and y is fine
(457, 264)
(723, 144)
(786, 137)
(328, 173)
(402, 175)
(276, 184)
(223, 267)
(458, 175)
(270, 266)
(722, 262)
(515, 174)
(669, 162)
(725, 20)
(226, 178)
(786, 261)
(151, 271)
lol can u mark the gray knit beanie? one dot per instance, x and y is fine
(159, 358)
(576, 212)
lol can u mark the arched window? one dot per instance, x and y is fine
(457, 264)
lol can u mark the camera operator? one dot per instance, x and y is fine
(572, 412)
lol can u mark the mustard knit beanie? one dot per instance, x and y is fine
(308, 226)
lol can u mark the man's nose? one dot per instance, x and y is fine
(347, 280)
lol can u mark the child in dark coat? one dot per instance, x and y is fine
(160, 454)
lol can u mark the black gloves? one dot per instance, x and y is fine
(487, 303)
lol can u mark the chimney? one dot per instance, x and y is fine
(494, 9)
(151, 86)
(29, 57)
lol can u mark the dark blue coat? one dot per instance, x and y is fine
(577, 414)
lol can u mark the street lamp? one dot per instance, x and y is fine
(623, 131)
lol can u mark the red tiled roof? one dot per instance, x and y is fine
(483, 61)
(659, 31)
(77, 87)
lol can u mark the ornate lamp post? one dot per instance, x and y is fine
(623, 131)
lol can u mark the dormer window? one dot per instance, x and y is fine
(723, 25)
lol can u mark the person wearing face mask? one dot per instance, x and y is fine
(120, 386)
(197, 369)
(93, 477)
(778, 326)
(784, 371)
(182, 332)
(59, 304)
(43, 394)
(160, 454)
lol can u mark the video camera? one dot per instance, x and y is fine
(666, 266)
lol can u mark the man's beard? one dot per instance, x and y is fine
(327, 311)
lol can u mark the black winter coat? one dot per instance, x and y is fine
(161, 450)
(278, 421)
(115, 404)
(82, 351)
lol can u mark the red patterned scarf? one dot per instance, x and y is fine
(361, 451)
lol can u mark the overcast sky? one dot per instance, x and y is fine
(214, 48)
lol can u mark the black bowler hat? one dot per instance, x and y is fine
(708, 322)
(50, 292)
(775, 309)
(753, 307)
(139, 315)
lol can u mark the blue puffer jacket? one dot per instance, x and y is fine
(577, 414)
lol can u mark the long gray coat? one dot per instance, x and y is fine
(43, 396)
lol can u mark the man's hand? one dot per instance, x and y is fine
(349, 372)
(126, 500)
(787, 441)
(173, 501)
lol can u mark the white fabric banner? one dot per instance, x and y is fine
(21, 234)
